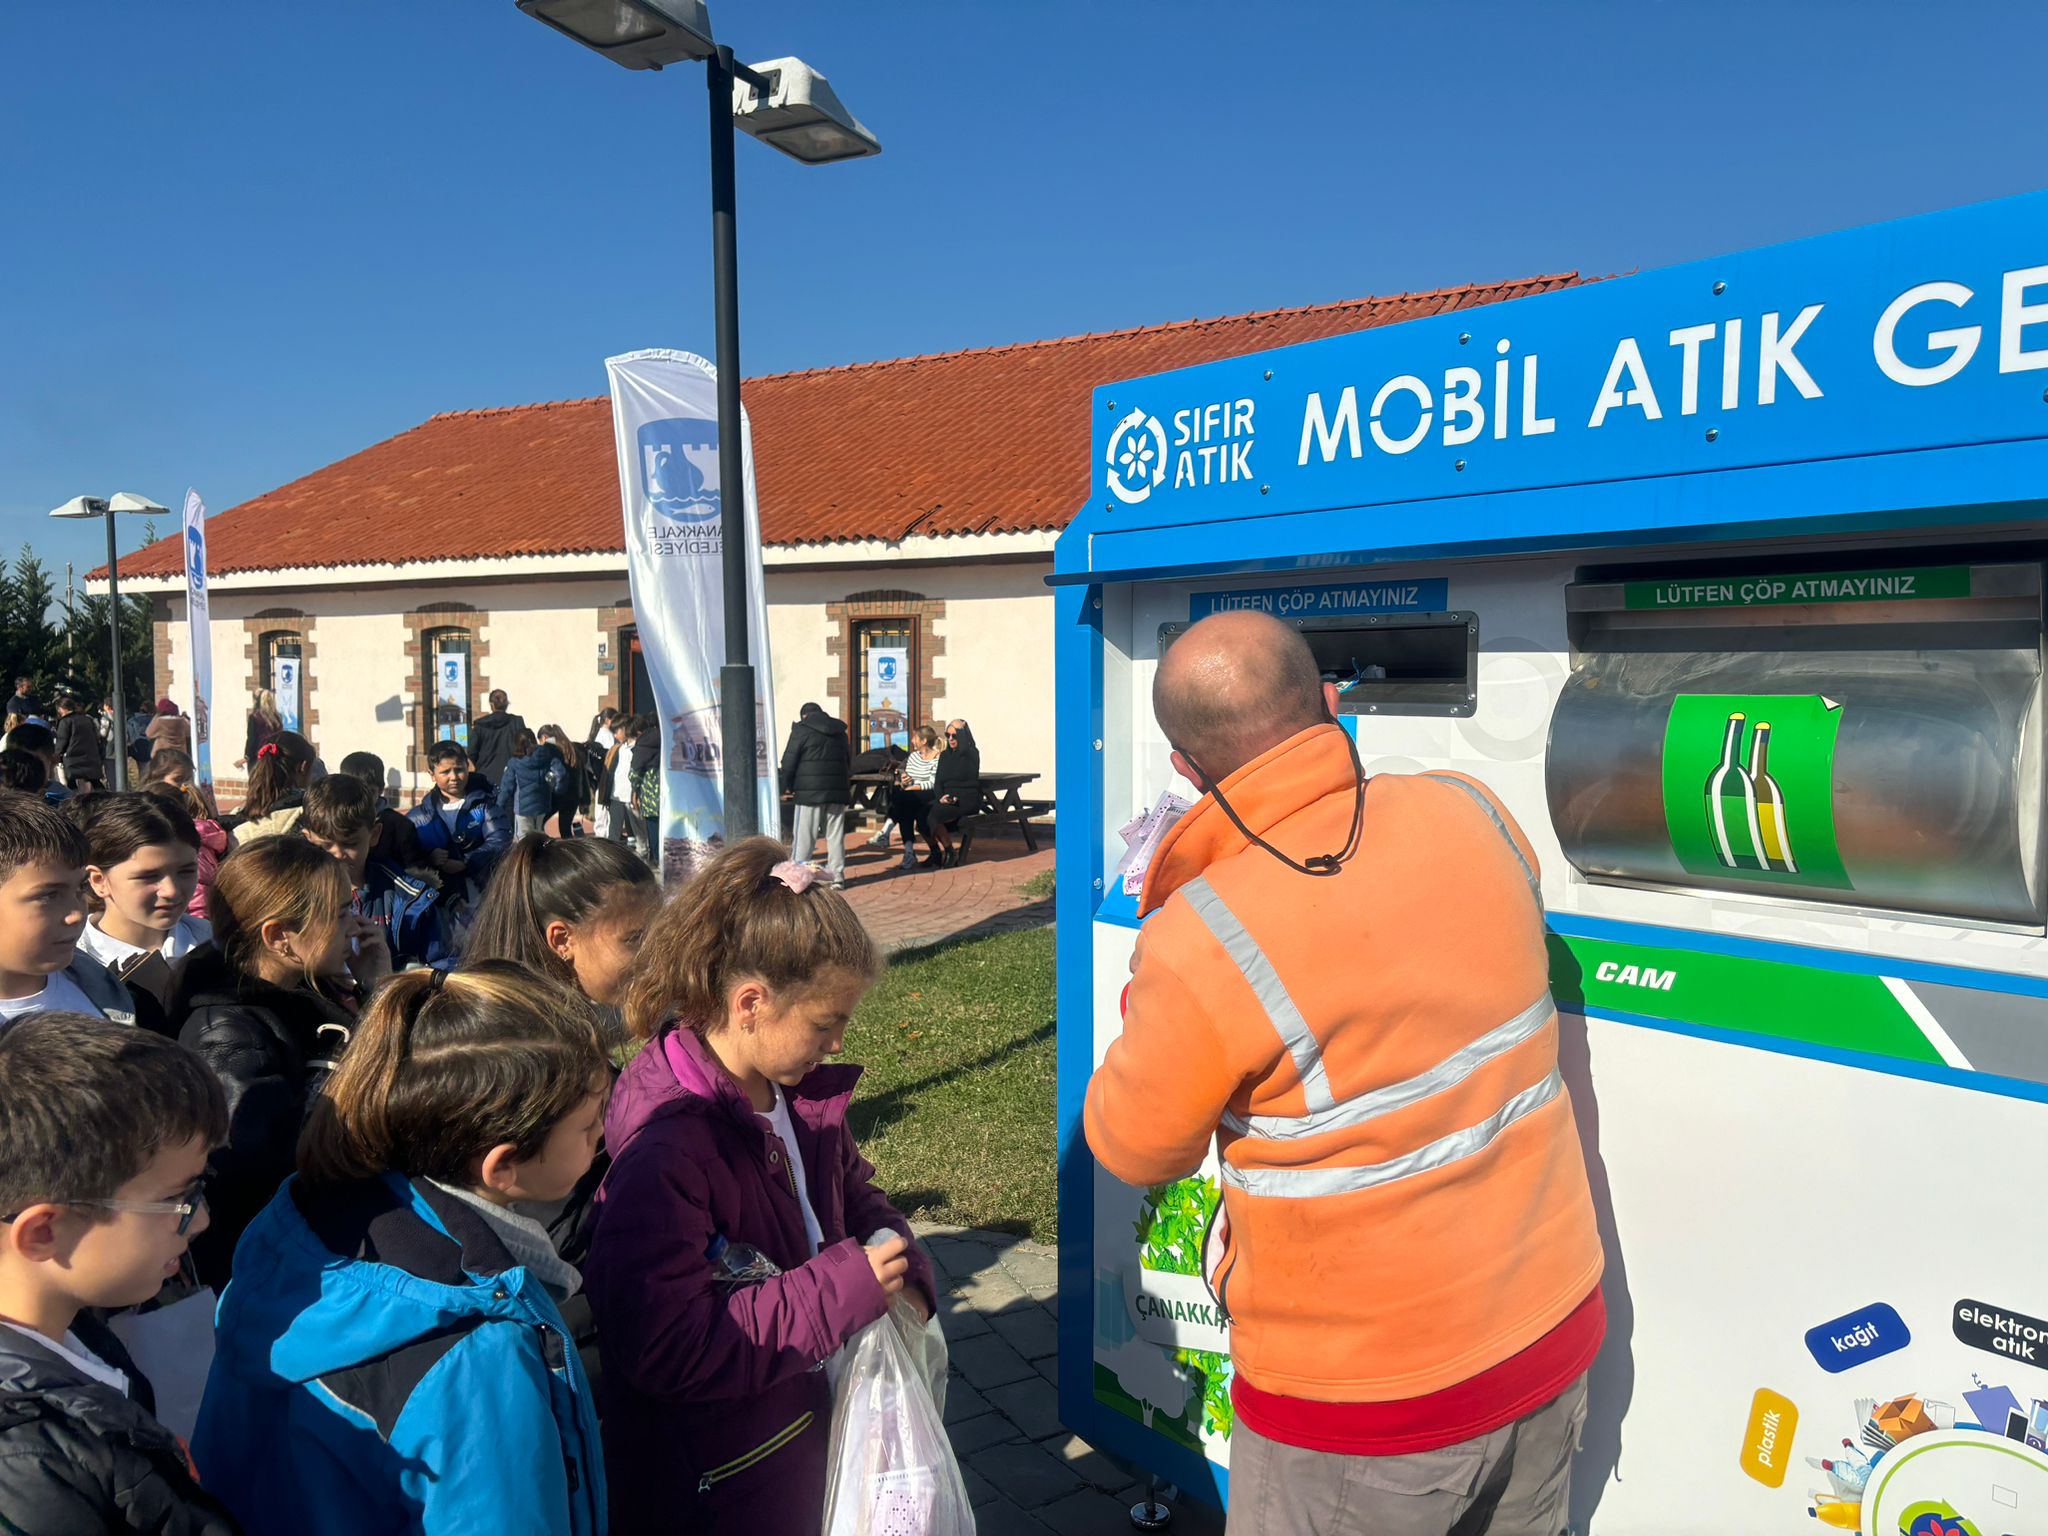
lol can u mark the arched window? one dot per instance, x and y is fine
(282, 654)
(447, 688)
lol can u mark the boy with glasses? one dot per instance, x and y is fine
(104, 1133)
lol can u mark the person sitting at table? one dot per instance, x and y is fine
(957, 783)
(912, 799)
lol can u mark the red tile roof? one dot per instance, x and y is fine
(990, 440)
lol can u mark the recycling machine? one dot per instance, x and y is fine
(1727, 580)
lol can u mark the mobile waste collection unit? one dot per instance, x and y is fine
(1727, 579)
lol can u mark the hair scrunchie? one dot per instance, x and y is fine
(268, 749)
(798, 877)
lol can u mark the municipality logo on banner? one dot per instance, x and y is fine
(665, 426)
(198, 638)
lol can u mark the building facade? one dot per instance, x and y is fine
(908, 509)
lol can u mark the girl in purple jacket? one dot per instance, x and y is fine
(729, 1125)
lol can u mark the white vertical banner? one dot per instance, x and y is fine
(284, 682)
(198, 640)
(665, 420)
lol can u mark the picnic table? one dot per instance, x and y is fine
(1002, 803)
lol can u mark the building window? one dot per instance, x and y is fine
(282, 657)
(638, 689)
(886, 693)
(448, 690)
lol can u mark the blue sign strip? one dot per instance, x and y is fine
(1351, 599)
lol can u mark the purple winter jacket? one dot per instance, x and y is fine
(715, 1420)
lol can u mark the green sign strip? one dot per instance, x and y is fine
(1813, 587)
(1773, 998)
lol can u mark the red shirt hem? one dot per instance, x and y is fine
(1500, 1395)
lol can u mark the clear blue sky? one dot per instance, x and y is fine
(245, 239)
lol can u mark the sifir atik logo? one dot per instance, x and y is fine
(1206, 445)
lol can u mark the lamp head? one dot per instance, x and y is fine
(801, 115)
(638, 34)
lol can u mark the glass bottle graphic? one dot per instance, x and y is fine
(1775, 844)
(1731, 803)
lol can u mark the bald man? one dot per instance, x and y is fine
(1343, 983)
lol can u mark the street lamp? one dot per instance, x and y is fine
(95, 506)
(790, 106)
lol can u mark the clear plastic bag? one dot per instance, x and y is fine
(891, 1470)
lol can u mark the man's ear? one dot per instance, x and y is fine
(1330, 698)
(1187, 771)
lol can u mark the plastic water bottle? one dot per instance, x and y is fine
(738, 1265)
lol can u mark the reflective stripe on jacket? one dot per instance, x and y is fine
(1376, 1053)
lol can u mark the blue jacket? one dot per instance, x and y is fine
(430, 1390)
(410, 911)
(530, 782)
(482, 834)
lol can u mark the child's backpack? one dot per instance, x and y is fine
(647, 794)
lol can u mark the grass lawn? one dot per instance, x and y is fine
(956, 1111)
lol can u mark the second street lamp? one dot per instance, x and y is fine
(790, 106)
(106, 507)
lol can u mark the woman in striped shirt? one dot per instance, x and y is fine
(910, 803)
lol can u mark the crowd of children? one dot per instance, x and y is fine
(454, 1124)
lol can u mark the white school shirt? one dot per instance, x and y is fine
(60, 994)
(778, 1122)
(74, 1354)
(187, 935)
(622, 776)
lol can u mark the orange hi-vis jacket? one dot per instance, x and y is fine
(1376, 1052)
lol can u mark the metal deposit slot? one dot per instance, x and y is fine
(1398, 664)
(1867, 753)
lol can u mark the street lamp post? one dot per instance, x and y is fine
(790, 106)
(94, 506)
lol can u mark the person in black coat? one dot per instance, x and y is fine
(270, 1005)
(78, 744)
(490, 739)
(817, 773)
(958, 783)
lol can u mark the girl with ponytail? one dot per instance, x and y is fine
(729, 1129)
(574, 909)
(391, 1355)
(277, 789)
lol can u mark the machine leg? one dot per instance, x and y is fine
(1153, 1513)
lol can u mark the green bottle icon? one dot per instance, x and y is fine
(1776, 842)
(1731, 803)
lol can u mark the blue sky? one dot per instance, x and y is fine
(245, 239)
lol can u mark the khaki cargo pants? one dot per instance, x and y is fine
(1513, 1482)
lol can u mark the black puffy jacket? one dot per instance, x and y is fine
(957, 780)
(490, 743)
(817, 765)
(78, 747)
(79, 1459)
(271, 1047)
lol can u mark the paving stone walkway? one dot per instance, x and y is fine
(1027, 1474)
(982, 896)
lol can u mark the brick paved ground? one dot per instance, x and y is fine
(1027, 1475)
(980, 897)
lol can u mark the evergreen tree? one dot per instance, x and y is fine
(32, 644)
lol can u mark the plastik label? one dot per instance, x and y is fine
(1865, 1334)
(1767, 1441)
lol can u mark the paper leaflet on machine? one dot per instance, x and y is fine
(1142, 835)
